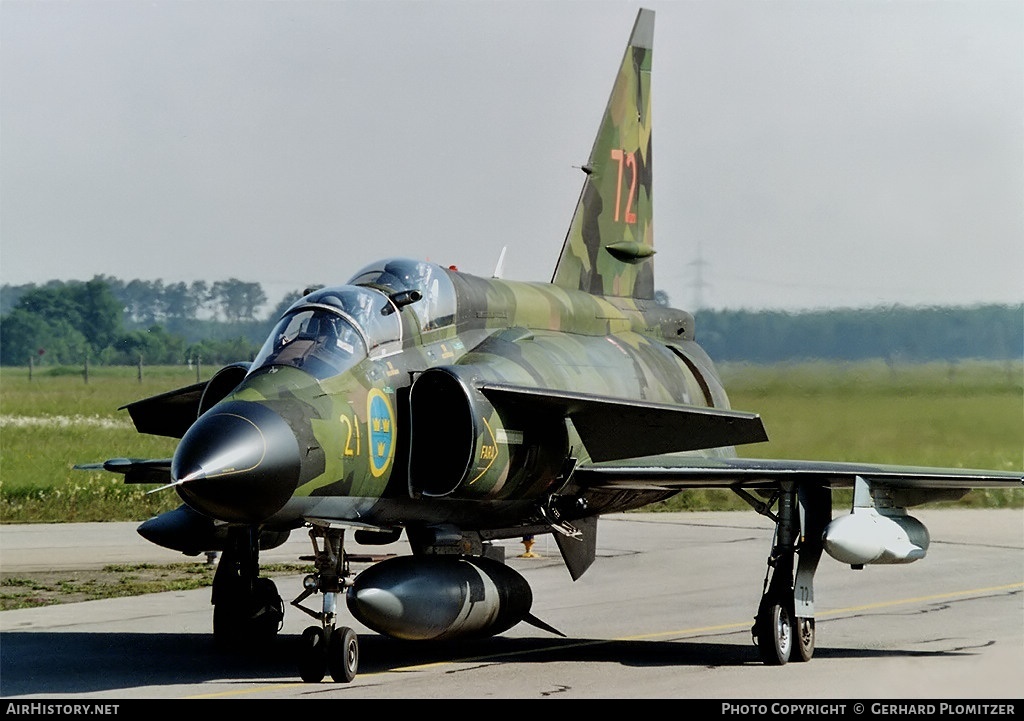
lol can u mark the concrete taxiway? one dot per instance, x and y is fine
(665, 612)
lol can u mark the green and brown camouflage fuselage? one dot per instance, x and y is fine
(388, 431)
(438, 410)
(462, 409)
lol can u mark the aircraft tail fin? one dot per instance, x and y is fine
(609, 247)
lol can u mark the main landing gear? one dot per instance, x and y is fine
(247, 610)
(783, 628)
(326, 648)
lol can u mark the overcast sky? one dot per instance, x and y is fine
(807, 154)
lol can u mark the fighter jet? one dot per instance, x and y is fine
(462, 410)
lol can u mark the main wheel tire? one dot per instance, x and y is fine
(228, 630)
(268, 611)
(803, 636)
(312, 655)
(774, 633)
(343, 655)
(248, 621)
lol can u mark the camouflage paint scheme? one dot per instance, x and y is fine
(518, 333)
(460, 410)
(612, 233)
(595, 328)
(482, 402)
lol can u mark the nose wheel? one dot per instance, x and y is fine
(327, 649)
(336, 653)
(312, 657)
(343, 654)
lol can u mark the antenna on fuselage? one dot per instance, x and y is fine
(499, 267)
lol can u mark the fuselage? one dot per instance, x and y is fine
(376, 382)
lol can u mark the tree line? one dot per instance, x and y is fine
(147, 302)
(905, 334)
(109, 321)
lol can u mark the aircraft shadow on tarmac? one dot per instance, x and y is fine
(97, 662)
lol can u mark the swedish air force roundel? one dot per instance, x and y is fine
(381, 422)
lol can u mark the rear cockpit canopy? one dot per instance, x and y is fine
(436, 307)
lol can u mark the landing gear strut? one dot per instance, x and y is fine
(247, 610)
(783, 628)
(326, 648)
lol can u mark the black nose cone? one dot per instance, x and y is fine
(238, 463)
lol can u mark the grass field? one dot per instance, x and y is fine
(55, 420)
(961, 415)
(964, 415)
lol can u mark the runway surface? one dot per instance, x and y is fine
(664, 612)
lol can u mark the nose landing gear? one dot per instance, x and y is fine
(327, 648)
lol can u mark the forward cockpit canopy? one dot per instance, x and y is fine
(332, 329)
